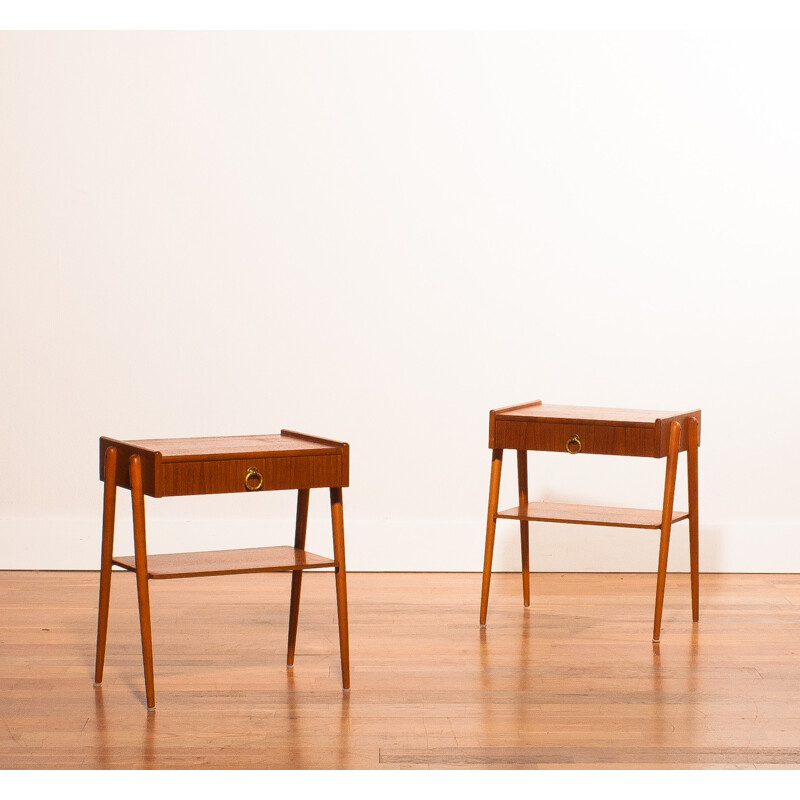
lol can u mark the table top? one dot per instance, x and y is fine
(212, 448)
(545, 412)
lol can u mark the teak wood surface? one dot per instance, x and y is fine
(568, 684)
(590, 515)
(209, 465)
(599, 431)
(216, 464)
(227, 562)
(605, 431)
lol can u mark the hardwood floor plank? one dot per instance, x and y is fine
(544, 757)
(573, 682)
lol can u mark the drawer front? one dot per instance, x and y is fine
(252, 474)
(582, 437)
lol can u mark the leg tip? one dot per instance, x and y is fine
(96, 684)
(656, 641)
(151, 708)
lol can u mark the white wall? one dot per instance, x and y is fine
(379, 237)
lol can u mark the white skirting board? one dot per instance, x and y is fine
(422, 545)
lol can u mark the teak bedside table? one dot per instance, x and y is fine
(171, 467)
(607, 431)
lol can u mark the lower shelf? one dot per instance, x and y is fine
(590, 515)
(226, 562)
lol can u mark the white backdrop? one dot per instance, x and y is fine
(378, 237)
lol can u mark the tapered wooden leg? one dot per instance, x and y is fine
(522, 481)
(694, 528)
(142, 590)
(666, 524)
(297, 576)
(491, 523)
(107, 549)
(337, 522)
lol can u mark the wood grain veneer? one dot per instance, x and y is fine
(602, 431)
(227, 562)
(225, 476)
(214, 465)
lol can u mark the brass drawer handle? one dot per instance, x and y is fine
(253, 480)
(574, 444)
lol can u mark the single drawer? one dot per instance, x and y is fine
(251, 474)
(576, 437)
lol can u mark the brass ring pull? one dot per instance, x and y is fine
(253, 480)
(574, 444)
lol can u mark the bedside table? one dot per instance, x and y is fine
(606, 431)
(172, 467)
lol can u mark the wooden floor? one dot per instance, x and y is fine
(573, 682)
